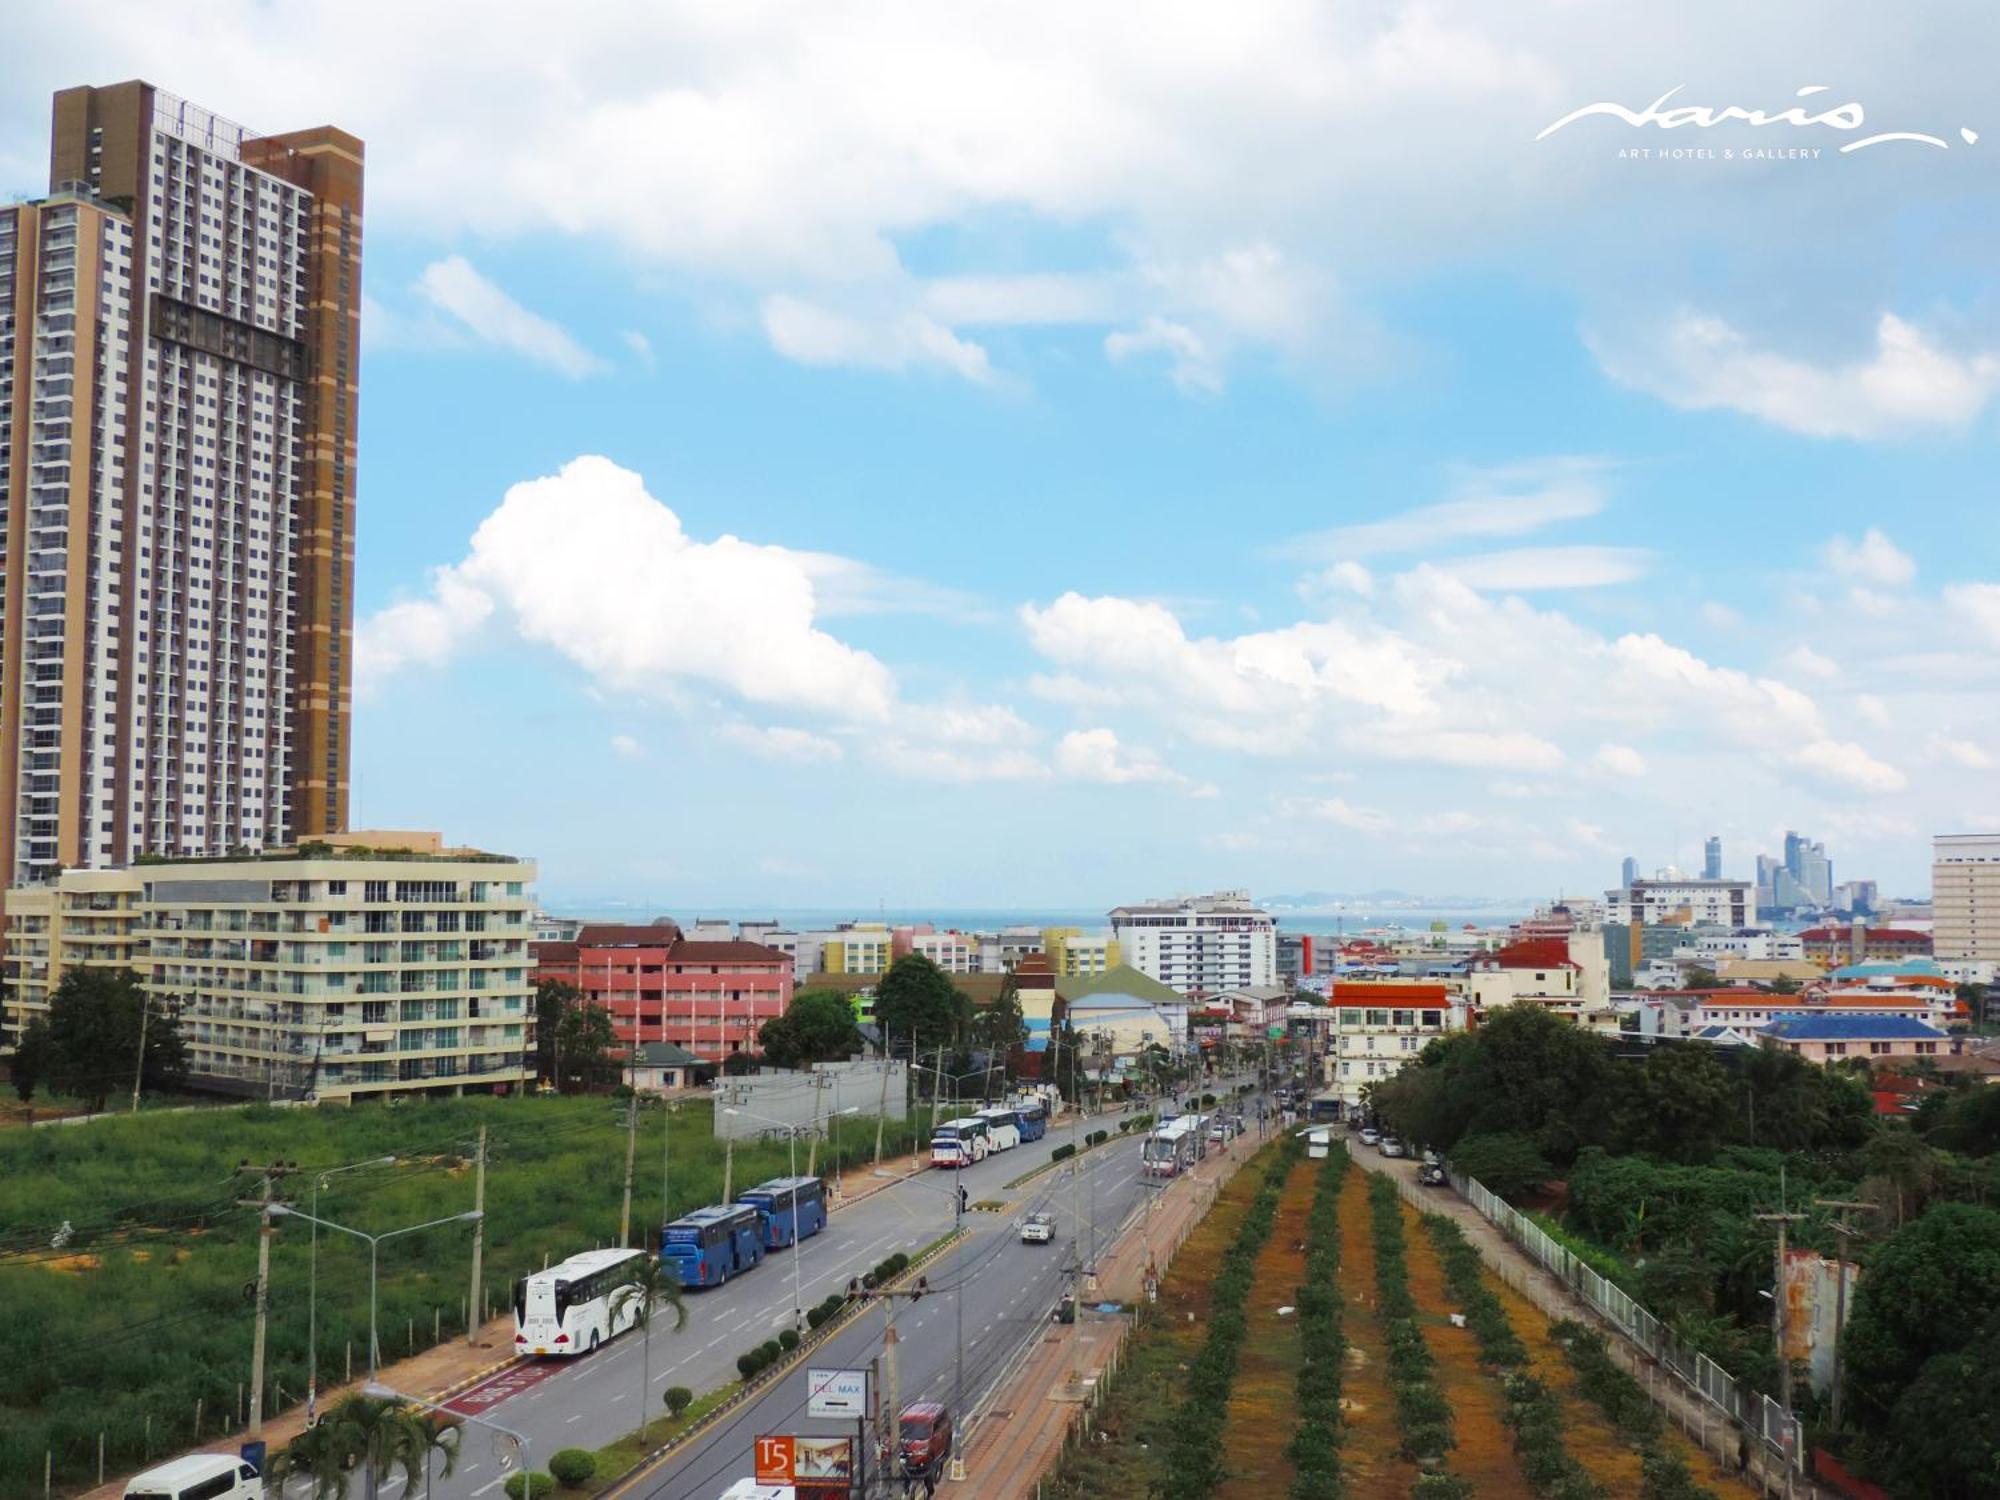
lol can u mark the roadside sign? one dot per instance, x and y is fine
(789, 1459)
(837, 1393)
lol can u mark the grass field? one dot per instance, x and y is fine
(142, 1318)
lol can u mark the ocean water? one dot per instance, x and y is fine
(990, 919)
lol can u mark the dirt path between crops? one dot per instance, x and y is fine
(1374, 1468)
(1485, 1451)
(1263, 1401)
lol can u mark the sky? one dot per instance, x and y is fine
(1053, 454)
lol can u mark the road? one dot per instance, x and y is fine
(595, 1399)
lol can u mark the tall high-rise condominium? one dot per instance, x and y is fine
(179, 357)
(1965, 894)
(1711, 858)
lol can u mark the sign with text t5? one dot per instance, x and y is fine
(783, 1458)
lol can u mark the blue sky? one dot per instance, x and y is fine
(1225, 451)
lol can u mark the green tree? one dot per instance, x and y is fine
(1929, 1288)
(818, 1026)
(31, 1058)
(1001, 1027)
(1942, 1438)
(92, 1041)
(1903, 1173)
(917, 999)
(437, 1433)
(1680, 1104)
(1508, 1164)
(654, 1285)
(369, 1435)
(1965, 1120)
(574, 1040)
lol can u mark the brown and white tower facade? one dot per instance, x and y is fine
(179, 354)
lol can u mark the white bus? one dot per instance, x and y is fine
(959, 1143)
(1172, 1148)
(1003, 1128)
(567, 1308)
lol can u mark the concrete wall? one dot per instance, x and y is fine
(801, 1098)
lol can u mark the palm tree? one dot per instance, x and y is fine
(375, 1435)
(438, 1434)
(654, 1284)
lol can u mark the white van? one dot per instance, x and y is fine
(199, 1476)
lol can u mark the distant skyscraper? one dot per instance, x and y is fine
(179, 356)
(1711, 860)
(1628, 872)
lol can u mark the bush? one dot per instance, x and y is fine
(1097, 1138)
(788, 1341)
(573, 1467)
(678, 1399)
(526, 1486)
(747, 1365)
(814, 1317)
(772, 1351)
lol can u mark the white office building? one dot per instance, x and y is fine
(1701, 903)
(1965, 895)
(1199, 945)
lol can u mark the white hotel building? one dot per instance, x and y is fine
(1199, 945)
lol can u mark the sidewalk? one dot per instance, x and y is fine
(1704, 1425)
(1029, 1417)
(445, 1369)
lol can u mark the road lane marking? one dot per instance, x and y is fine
(577, 1418)
(492, 1484)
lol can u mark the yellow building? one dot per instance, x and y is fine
(1073, 954)
(864, 948)
(373, 969)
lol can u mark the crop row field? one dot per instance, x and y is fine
(1362, 1352)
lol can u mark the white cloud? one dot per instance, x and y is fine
(1342, 813)
(1492, 750)
(1977, 605)
(1529, 568)
(1096, 755)
(1809, 663)
(818, 335)
(1908, 385)
(1349, 578)
(930, 762)
(1872, 559)
(1500, 501)
(1873, 709)
(1962, 753)
(626, 747)
(586, 562)
(782, 742)
(1619, 760)
(1847, 764)
(639, 345)
(1190, 364)
(489, 315)
(1720, 615)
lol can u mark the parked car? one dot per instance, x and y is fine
(199, 1476)
(1431, 1174)
(1370, 1135)
(1390, 1146)
(1432, 1159)
(925, 1437)
(1038, 1229)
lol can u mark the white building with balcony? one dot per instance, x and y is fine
(1199, 945)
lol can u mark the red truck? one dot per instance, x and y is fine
(925, 1437)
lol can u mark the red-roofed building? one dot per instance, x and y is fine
(1569, 975)
(1373, 1027)
(708, 997)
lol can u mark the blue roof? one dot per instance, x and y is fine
(1852, 1029)
(1921, 966)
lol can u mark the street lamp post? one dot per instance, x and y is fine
(374, 1247)
(957, 1292)
(792, 1140)
(312, 1280)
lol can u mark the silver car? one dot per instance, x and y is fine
(1370, 1135)
(1038, 1229)
(1390, 1146)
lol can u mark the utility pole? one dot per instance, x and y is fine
(666, 1161)
(820, 1081)
(139, 1073)
(1779, 1321)
(631, 1145)
(728, 1161)
(1842, 1229)
(882, 1109)
(472, 1308)
(262, 1204)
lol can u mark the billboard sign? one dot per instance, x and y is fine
(783, 1458)
(837, 1393)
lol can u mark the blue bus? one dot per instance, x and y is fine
(713, 1244)
(791, 1208)
(1033, 1118)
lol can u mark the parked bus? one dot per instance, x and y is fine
(567, 1309)
(1172, 1148)
(1032, 1116)
(713, 1244)
(1326, 1107)
(959, 1143)
(1003, 1128)
(791, 1208)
